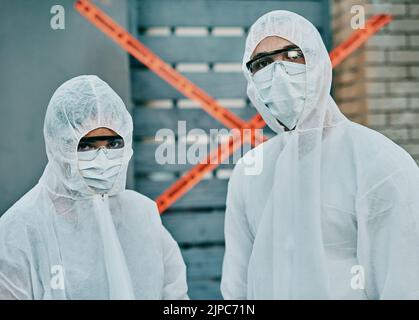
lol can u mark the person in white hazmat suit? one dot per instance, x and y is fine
(79, 234)
(334, 213)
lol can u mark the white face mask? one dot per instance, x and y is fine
(100, 167)
(281, 87)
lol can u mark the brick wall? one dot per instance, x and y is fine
(379, 84)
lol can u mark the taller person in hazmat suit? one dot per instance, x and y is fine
(79, 234)
(334, 214)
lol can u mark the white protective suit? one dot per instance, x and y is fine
(334, 201)
(63, 241)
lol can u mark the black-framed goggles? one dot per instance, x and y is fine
(92, 143)
(291, 54)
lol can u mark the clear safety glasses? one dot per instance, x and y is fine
(291, 54)
(93, 143)
(89, 147)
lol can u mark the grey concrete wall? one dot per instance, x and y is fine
(34, 61)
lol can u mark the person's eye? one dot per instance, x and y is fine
(116, 144)
(83, 146)
(294, 55)
(260, 64)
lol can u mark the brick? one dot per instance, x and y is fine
(352, 107)
(387, 104)
(347, 77)
(404, 25)
(352, 91)
(341, 33)
(404, 118)
(404, 87)
(346, 6)
(335, 9)
(376, 120)
(401, 134)
(383, 72)
(414, 72)
(404, 56)
(411, 148)
(415, 133)
(375, 56)
(375, 88)
(387, 41)
(414, 9)
(414, 103)
(338, 9)
(376, 8)
(358, 118)
(353, 61)
(414, 40)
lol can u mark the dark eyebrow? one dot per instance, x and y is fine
(99, 138)
(290, 46)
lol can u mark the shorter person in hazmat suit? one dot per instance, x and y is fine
(334, 212)
(79, 234)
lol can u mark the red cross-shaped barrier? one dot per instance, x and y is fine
(143, 54)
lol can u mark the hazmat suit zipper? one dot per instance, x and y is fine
(119, 280)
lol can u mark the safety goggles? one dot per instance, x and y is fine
(110, 154)
(260, 61)
(94, 143)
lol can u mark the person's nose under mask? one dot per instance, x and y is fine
(281, 87)
(100, 167)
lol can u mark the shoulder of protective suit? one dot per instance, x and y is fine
(14, 227)
(376, 146)
(22, 212)
(139, 208)
(139, 198)
(378, 158)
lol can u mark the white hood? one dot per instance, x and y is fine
(78, 106)
(320, 110)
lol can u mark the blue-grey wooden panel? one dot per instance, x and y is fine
(146, 85)
(204, 289)
(192, 13)
(173, 49)
(203, 263)
(145, 159)
(204, 269)
(209, 193)
(195, 227)
(147, 120)
(208, 49)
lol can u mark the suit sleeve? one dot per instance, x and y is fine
(238, 240)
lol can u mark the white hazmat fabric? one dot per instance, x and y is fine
(62, 240)
(334, 198)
